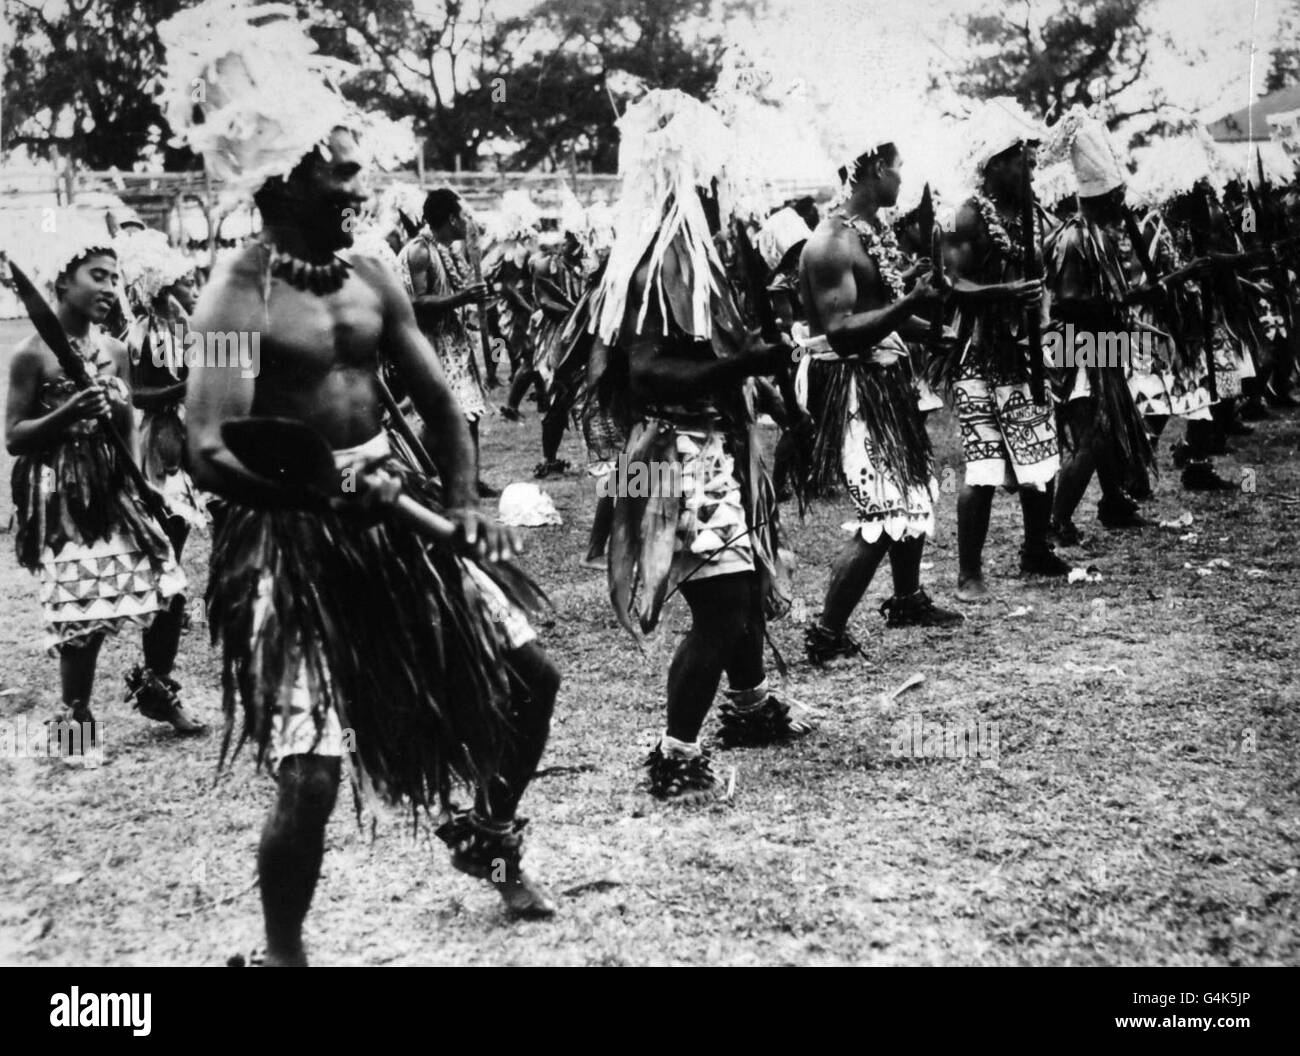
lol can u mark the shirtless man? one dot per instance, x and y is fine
(860, 316)
(411, 649)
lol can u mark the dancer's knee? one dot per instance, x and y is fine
(309, 786)
(536, 683)
(723, 609)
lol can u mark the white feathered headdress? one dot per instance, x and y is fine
(149, 263)
(738, 98)
(998, 125)
(401, 205)
(671, 145)
(516, 219)
(573, 216)
(592, 226)
(246, 89)
(1054, 183)
(1170, 167)
(65, 235)
(386, 144)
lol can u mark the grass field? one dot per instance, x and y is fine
(1141, 805)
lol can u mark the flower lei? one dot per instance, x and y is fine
(457, 272)
(882, 247)
(1008, 245)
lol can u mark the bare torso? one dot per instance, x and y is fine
(835, 249)
(319, 354)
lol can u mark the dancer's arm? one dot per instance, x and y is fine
(430, 306)
(452, 448)
(831, 283)
(655, 373)
(963, 250)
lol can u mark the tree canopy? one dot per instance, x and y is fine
(1081, 51)
(81, 76)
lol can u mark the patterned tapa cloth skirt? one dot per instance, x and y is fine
(1159, 389)
(1007, 439)
(455, 352)
(707, 509)
(103, 560)
(712, 534)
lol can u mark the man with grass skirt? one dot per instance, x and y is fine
(1008, 439)
(1086, 274)
(861, 394)
(103, 558)
(350, 640)
(677, 373)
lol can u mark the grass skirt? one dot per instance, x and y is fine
(883, 399)
(395, 637)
